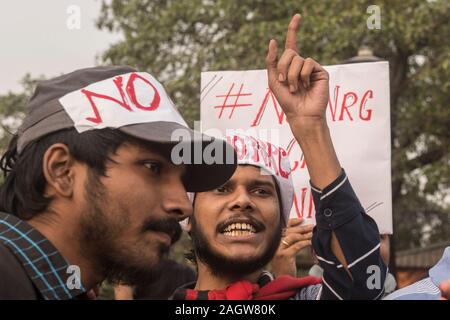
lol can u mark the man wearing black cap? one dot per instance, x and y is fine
(90, 189)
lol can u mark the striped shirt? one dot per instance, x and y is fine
(30, 259)
(338, 209)
(428, 288)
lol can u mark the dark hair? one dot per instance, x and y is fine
(22, 192)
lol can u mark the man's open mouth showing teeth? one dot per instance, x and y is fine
(240, 229)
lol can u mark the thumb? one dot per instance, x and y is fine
(271, 61)
(294, 222)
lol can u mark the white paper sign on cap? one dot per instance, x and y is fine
(131, 98)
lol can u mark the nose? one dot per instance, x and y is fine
(176, 201)
(241, 201)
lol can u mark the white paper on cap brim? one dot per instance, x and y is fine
(113, 115)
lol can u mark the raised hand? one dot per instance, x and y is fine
(300, 85)
(301, 88)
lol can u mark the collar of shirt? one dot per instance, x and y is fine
(52, 275)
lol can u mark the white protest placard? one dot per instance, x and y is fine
(358, 114)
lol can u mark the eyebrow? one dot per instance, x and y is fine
(254, 182)
(155, 150)
(161, 153)
(259, 182)
(147, 153)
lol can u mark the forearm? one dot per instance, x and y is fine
(321, 160)
(315, 141)
(339, 253)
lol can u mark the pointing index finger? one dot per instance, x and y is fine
(291, 35)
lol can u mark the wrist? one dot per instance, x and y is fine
(308, 127)
(313, 136)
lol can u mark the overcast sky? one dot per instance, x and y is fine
(35, 38)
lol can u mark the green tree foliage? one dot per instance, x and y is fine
(176, 40)
(12, 109)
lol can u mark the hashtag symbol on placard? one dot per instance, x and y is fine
(234, 105)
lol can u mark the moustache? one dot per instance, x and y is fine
(170, 226)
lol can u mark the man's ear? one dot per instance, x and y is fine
(57, 166)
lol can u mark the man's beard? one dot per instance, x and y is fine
(101, 235)
(222, 266)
